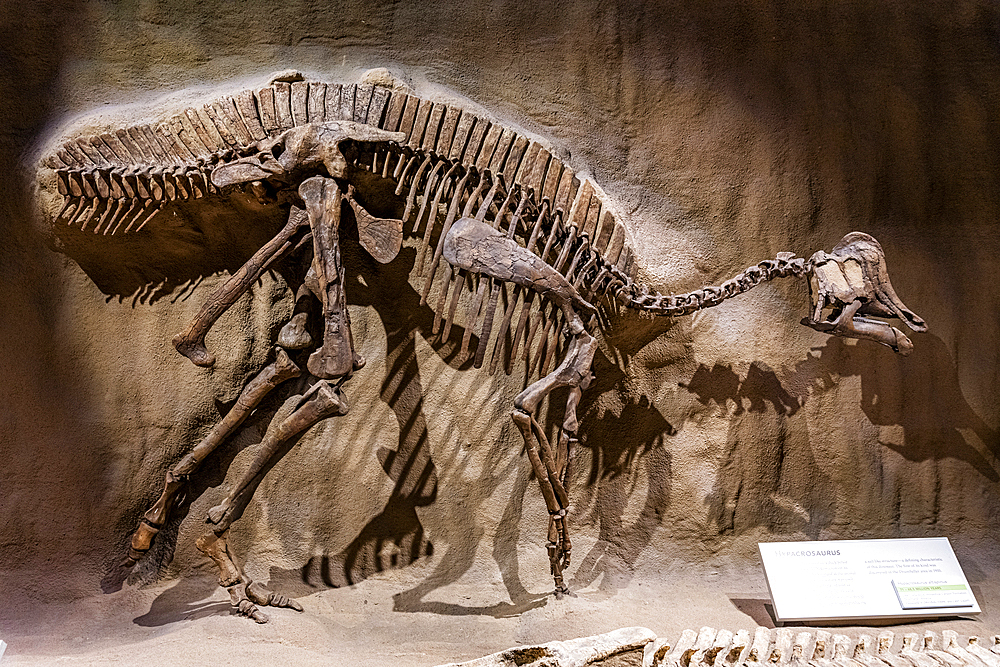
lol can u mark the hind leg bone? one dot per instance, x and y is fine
(321, 402)
(154, 519)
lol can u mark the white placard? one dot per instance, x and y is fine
(857, 579)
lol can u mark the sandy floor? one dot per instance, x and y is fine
(384, 620)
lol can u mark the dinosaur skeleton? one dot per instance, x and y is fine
(492, 212)
(761, 646)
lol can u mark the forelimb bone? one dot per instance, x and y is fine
(153, 520)
(191, 342)
(475, 246)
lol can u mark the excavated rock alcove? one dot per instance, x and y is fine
(411, 529)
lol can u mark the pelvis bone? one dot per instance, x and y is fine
(852, 282)
(300, 149)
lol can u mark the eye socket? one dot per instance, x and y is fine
(277, 150)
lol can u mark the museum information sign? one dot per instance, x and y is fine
(858, 579)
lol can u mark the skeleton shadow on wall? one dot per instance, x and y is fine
(774, 475)
(924, 397)
(767, 475)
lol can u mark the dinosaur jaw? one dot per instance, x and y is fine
(864, 328)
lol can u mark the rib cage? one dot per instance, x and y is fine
(117, 181)
(453, 163)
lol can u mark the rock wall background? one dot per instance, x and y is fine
(726, 131)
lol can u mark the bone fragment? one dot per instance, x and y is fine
(394, 111)
(704, 644)
(91, 154)
(430, 118)
(448, 221)
(535, 177)
(490, 142)
(233, 116)
(514, 157)
(681, 653)
(736, 652)
(206, 130)
(465, 123)
(448, 125)
(300, 103)
(381, 237)
(432, 217)
(552, 180)
(283, 105)
(974, 648)
(106, 154)
(408, 116)
(316, 102)
(376, 110)
(475, 141)
(759, 648)
(362, 100)
(332, 102)
(499, 159)
(593, 214)
(185, 135)
(336, 357)
(571, 653)
(122, 155)
(415, 185)
(940, 653)
(432, 180)
(132, 146)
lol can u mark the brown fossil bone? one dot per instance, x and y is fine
(381, 237)
(311, 145)
(191, 342)
(852, 281)
(336, 357)
(243, 593)
(308, 149)
(298, 151)
(154, 519)
(476, 246)
(320, 402)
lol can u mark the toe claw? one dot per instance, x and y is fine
(262, 596)
(281, 601)
(250, 610)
